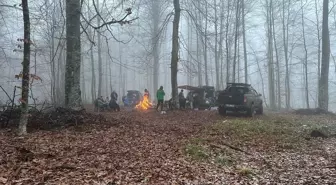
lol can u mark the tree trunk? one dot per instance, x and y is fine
(277, 65)
(83, 80)
(323, 99)
(235, 42)
(244, 42)
(175, 48)
(100, 62)
(205, 45)
(198, 49)
(285, 43)
(319, 44)
(25, 69)
(221, 37)
(270, 56)
(216, 46)
(227, 45)
(93, 74)
(73, 59)
(305, 62)
(155, 44)
(52, 58)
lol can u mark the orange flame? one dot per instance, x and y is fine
(144, 104)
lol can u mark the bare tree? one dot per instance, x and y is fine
(216, 46)
(285, 28)
(236, 40)
(277, 64)
(73, 60)
(318, 43)
(25, 69)
(244, 41)
(100, 62)
(323, 98)
(175, 48)
(155, 42)
(270, 54)
(305, 59)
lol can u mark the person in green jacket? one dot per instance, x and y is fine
(160, 97)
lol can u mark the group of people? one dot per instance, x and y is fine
(111, 103)
(101, 104)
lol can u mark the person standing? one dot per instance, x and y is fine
(160, 97)
(146, 93)
(182, 100)
(114, 96)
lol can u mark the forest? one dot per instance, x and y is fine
(59, 59)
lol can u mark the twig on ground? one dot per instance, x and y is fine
(230, 146)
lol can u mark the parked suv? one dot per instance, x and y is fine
(240, 97)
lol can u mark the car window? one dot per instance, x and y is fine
(237, 90)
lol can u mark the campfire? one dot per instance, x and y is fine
(144, 104)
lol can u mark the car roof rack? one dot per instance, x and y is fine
(239, 84)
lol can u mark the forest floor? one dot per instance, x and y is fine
(180, 147)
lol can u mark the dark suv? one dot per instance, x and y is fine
(240, 97)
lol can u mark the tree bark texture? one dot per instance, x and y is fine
(175, 48)
(73, 59)
(25, 69)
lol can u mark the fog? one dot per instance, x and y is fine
(136, 55)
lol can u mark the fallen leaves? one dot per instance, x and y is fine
(149, 148)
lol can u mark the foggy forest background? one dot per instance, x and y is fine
(274, 45)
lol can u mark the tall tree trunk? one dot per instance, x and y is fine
(235, 42)
(175, 48)
(83, 80)
(100, 62)
(73, 59)
(52, 57)
(227, 45)
(110, 75)
(155, 44)
(285, 28)
(198, 49)
(221, 37)
(323, 99)
(205, 45)
(25, 69)
(244, 42)
(319, 44)
(270, 56)
(190, 48)
(277, 64)
(93, 74)
(305, 62)
(216, 46)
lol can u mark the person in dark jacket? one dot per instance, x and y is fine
(114, 105)
(114, 96)
(182, 100)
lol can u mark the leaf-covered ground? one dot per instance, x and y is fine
(181, 147)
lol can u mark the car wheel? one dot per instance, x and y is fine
(251, 111)
(221, 110)
(260, 110)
